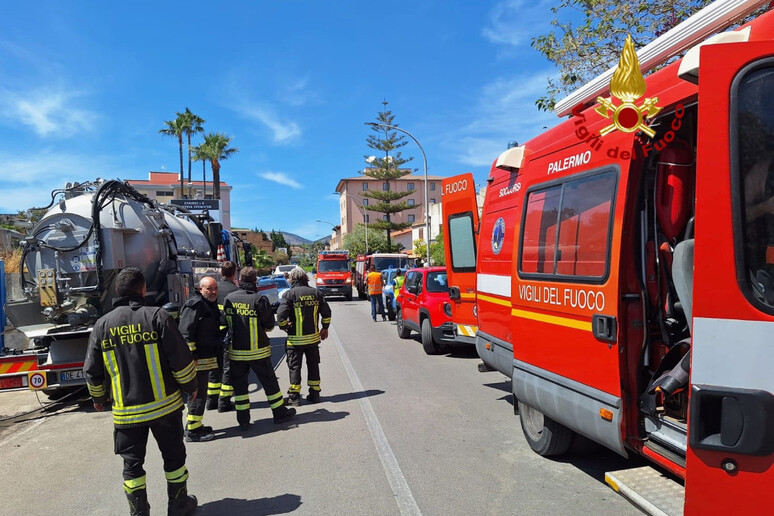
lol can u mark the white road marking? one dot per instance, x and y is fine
(400, 489)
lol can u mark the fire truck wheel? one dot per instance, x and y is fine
(349, 296)
(403, 332)
(430, 346)
(545, 436)
(361, 295)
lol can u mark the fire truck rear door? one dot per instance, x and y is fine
(460, 229)
(730, 459)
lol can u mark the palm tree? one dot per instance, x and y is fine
(216, 147)
(199, 153)
(176, 128)
(193, 125)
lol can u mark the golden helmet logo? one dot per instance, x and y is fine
(627, 85)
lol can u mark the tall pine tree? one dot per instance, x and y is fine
(386, 167)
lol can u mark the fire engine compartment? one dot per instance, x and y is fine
(664, 262)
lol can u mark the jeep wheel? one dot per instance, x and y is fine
(403, 332)
(430, 346)
(545, 436)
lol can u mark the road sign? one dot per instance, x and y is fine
(37, 380)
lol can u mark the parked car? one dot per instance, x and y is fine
(424, 306)
(282, 269)
(278, 281)
(388, 293)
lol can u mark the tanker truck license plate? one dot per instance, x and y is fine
(70, 376)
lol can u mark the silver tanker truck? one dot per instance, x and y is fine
(69, 263)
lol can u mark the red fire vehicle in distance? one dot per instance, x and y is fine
(624, 280)
(333, 276)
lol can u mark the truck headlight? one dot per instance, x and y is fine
(319, 281)
(348, 281)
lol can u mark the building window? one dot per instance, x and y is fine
(365, 186)
(432, 200)
(365, 202)
(384, 217)
(164, 193)
(367, 219)
(432, 187)
(411, 202)
(410, 187)
(411, 218)
(385, 186)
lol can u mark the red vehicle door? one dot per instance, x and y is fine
(460, 229)
(411, 291)
(731, 411)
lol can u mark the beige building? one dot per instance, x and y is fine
(165, 186)
(353, 206)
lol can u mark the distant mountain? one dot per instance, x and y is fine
(293, 239)
(324, 240)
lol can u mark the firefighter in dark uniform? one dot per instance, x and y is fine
(200, 322)
(249, 316)
(219, 393)
(137, 357)
(298, 315)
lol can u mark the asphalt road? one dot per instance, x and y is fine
(397, 432)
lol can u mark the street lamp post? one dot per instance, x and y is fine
(365, 221)
(424, 159)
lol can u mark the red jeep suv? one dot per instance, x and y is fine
(423, 305)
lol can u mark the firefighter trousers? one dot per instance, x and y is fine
(220, 379)
(131, 445)
(240, 371)
(295, 356)
(196, 405)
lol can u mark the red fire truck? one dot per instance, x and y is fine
(622, 273)
(333, 276)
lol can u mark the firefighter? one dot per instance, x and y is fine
(297, 315)
(137, 357)
(219, 394)
(374, 282)
(200, 322)
(249, 317)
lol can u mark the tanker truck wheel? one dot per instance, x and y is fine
(545, 436)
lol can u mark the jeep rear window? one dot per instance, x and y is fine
(436, 282)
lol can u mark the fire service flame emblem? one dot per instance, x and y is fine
(627, 85)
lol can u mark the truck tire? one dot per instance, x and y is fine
(430, 346)
(349, 296)
(361, 294)
(545, 436)
(403, 332)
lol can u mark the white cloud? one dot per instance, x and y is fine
(48, 112)
(512, 22)
(283, 131)
(296, 93)
(281, 178)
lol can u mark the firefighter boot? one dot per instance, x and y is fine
(294, 400)
(212, 402)
(313, 397)
(225, 405)
(282, 414)
(180, 502)
(138, 503)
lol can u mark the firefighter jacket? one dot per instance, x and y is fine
(225, 287)
(137, 357)
(298, 312)
(200, 322)
(249, 316)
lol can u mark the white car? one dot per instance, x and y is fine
(282, 269)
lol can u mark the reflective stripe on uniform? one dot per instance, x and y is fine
(154, 368)
(192, 346)
(97, 391)
(186, 374)
(226, 391)
(242, 402)
(313, 384)
(147, 411)
(134, 484)
(178, 476)
(294, 389)
(245, 355)
(115, 378)
(206, 364)
(194, 421)
(213, 389)
(294, 340)
(275, 400)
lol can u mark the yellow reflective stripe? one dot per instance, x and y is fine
(194, 417)
(242, 397)
(277, 403)
(242, 355)
(313, 382)
(115, 378)
(177, 476)
(97, 391)
(186, 374)
(148, 411)
(205, 364)
(220, 307)
(192, 346)
(154, 368)
(467, 295)
(226, 390)
(293, 389)
(495, 300)
(314, 338)
(194, 421)
(316, 308)
(242, 402)
(326, 320)
(274, 396)
(299, 321)
(134, 484)
(283, 323)
(552, 319)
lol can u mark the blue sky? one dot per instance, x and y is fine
(87, 85)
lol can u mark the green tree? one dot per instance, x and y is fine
(176, 128)
(584, 50)
(278, 240)
(386, 168)
(262, 260)
(192, 124)
(199, 153)
(281, 258)
(436, 249)
(216, 147)
(354, 241)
